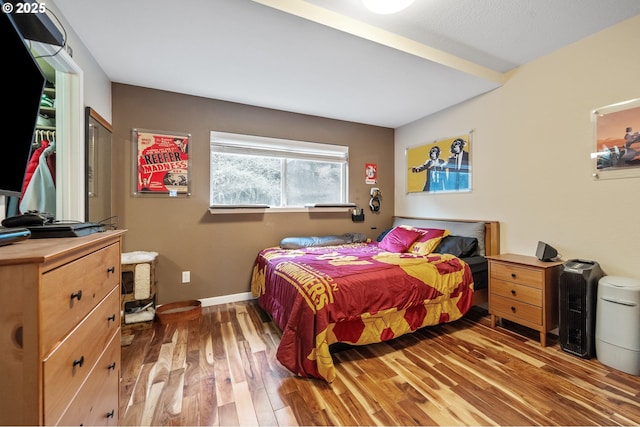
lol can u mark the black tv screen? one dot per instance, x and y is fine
(22, 85)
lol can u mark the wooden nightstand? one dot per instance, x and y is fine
(524, 290)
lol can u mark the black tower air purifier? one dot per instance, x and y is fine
(578, 292)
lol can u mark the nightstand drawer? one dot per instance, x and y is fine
(518, 274)
(526, 294)
(516, 310)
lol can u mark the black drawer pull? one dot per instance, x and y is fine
(111, 269)
(513, 309)
(77, 295)
(112, 366)
(111, 414)
(112, 318)
(513, 275)
(513, 292)
(79, 362)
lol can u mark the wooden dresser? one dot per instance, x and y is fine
(524, 290)
(60, 330)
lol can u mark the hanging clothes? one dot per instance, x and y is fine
(40, 191)
(40, 146)
(51, 157)
(13, 206)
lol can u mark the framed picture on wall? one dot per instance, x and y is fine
(617, 140)
(161, 163)
(441, 166)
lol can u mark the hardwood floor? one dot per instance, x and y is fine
(221, 370)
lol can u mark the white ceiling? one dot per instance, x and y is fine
(331, 58)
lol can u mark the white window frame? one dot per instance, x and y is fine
(223, 142)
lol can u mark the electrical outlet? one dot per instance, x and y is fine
(186, 276)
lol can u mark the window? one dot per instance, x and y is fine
(259, 171)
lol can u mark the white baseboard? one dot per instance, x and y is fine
(245, 296)
(206, 302)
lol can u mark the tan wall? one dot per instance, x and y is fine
(531, 155)
(219, 250)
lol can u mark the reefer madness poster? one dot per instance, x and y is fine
(162, 163)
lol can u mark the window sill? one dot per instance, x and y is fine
(261, 210)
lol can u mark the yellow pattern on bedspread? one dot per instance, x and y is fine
(368, 296)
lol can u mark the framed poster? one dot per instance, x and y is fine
(371, 173)
(161, 163)
(617, 140)
(441, 166)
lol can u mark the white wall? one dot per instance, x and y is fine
(97, 87)
(531, 155)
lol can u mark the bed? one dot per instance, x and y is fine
(347, 289)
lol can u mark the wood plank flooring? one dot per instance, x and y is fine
(221, 370)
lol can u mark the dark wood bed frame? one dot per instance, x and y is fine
(491, 247)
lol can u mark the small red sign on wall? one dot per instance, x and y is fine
(371, 173)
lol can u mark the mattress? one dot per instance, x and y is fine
(480, 271)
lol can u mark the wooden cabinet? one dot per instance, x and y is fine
(60, 330)
(524, 290)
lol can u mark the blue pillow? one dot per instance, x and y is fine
(384, 233)
(331, 240)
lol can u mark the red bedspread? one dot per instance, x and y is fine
(357, 294)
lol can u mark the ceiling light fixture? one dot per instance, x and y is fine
(386, 7)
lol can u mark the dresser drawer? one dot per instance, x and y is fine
(71, 291)
(518, 274)
(515, 310)
(66, 368)
(526, 294)
(96, 403)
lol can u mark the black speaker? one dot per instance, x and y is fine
(545, 252)
(578, 293)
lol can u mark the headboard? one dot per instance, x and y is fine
(487, 232)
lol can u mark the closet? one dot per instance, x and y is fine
(64, 126)
(39, 192)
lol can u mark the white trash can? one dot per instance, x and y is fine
(618, 323)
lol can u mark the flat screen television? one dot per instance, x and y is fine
(22, 86)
